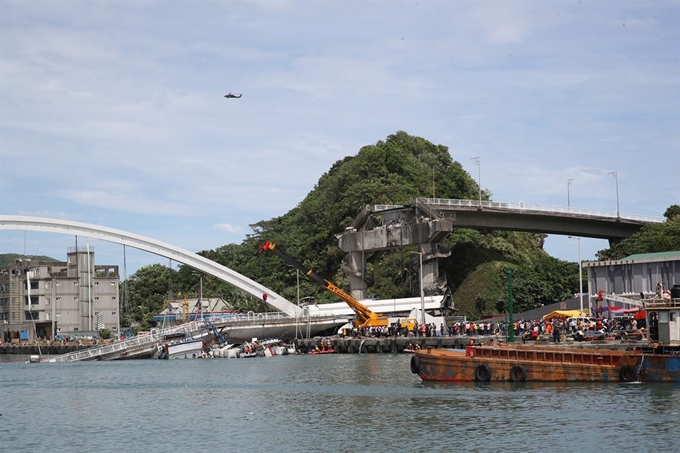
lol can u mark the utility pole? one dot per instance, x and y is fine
(479, 179)
(616, 178)
(569, 181)
(511, 321)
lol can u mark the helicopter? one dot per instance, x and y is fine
(233, 95)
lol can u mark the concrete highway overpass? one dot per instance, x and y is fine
(426, 222)
(429, 220)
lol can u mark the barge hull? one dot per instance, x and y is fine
(517, 364)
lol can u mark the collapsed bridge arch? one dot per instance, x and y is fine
(200, 263)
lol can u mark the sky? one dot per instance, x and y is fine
(113, 113)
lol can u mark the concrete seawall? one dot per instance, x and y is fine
(48, 349)
(389, 345)
(393, 345)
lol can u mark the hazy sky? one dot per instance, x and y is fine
(113, 113)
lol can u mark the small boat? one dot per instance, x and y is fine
(228, 351)
(324, 351)
(184, 349)
(248, 350)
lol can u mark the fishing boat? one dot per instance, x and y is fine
(184, 349)
(659, 361)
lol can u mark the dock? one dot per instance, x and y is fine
(392, 345)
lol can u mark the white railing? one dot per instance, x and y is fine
(154, 336)
(525, 207)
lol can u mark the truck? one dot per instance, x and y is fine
(365, 317)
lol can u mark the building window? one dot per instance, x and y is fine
(96, 298)
(34, 300)
(113, 284)
(34, 285)
(113, 313)
(58, 298)
(96, 283)
(48, 285)
(58, 283)
(113, 298)
(31, 316)
(75, 283)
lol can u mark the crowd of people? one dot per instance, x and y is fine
(556, 328)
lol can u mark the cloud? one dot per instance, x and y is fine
(228, 228)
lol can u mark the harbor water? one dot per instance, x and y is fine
(318, 403)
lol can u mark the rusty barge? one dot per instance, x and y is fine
(515, 363)
(657, 362)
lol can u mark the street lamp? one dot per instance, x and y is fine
(199, 303)
(422, 294)
(580, 274)
(569, 181)
(616, 178)
(479, 179)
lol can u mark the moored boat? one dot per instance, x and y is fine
(515, 363)
(657, 362)
(326, 351)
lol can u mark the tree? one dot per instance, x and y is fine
(672, 212)
(148, 288)
(652, 238)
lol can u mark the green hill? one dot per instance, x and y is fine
(9, 259)
(394, 171)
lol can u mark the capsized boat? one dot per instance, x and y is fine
(183, 349)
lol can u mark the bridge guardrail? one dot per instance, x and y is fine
(157, 335)
(521, 206)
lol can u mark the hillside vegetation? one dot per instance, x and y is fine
(9, 259)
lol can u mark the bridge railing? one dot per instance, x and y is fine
(153, 336)
(525, 207)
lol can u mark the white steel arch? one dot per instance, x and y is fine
(12, 222)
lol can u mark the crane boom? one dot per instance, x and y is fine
(365, 316)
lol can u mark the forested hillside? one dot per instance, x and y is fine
(9, 259)
(652, 238)
(393, 171)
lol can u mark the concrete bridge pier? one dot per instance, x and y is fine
(358, 283)
(357, 278)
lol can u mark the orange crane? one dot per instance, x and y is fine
(364, 316)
